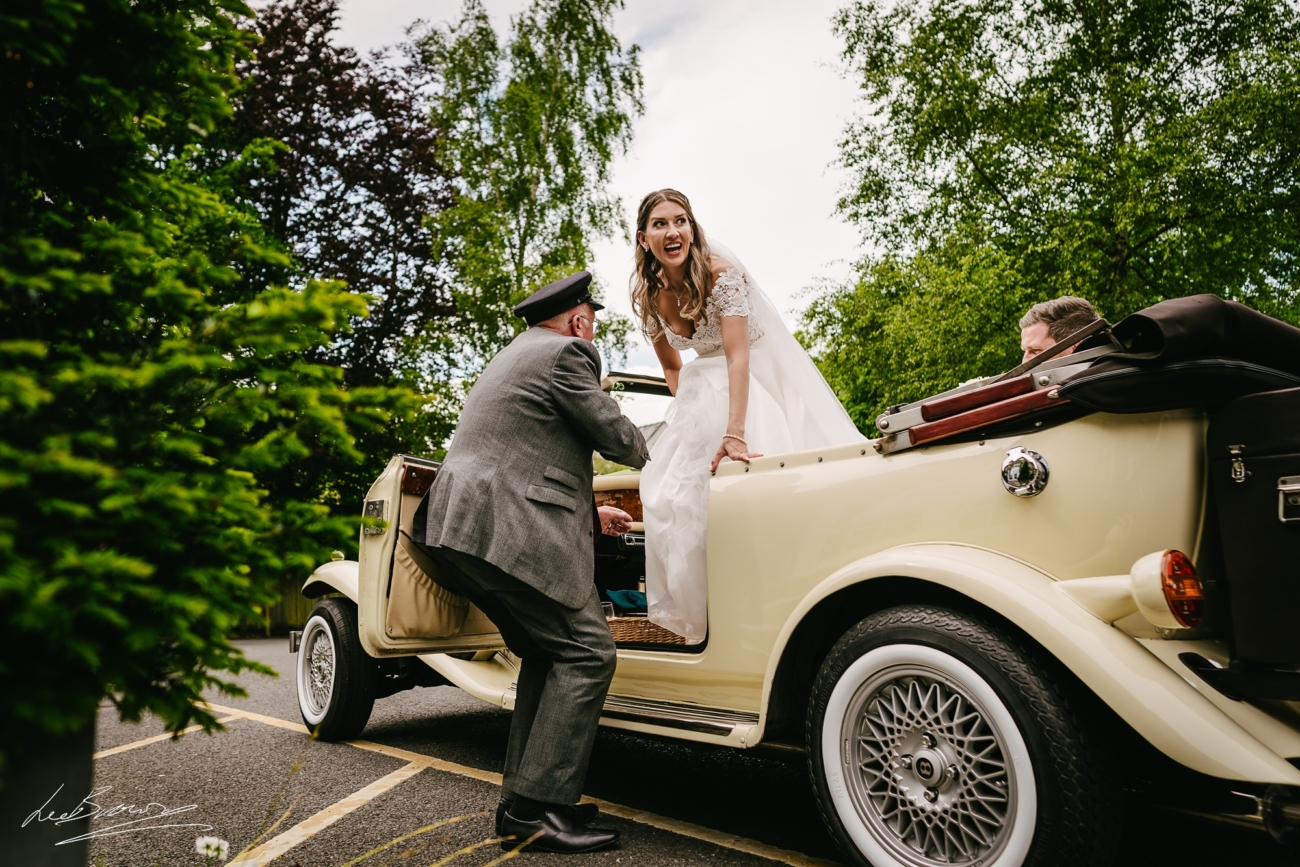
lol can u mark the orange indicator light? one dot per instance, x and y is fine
(1183, 589)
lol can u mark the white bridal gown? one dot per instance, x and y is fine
(791, 408)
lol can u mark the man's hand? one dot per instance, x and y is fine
(613, 521)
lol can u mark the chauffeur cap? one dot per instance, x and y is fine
(556, 298)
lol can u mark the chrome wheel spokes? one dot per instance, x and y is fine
(927, 768)
(320, 650)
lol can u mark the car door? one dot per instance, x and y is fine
(402, 610)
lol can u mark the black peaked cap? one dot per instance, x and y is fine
(556, 298)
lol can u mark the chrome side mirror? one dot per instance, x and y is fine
(1024, 472)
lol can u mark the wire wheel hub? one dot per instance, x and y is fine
(931, 767)
(319, 664)
(927, 769)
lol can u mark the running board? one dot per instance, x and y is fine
(674, 715)
(717, 722)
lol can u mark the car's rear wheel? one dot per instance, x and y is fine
(934, 739)
(337, 680)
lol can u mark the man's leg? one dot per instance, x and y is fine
(529, 686)
(567, 664)
(561, 687)
(563, 679)
(570, 693)
(461, 573)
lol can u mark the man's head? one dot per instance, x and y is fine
(1050, 322)
(579, 321)
(560, 305)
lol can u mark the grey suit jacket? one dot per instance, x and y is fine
(515, 488)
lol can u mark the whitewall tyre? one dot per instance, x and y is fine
(934, 739)
(336, 679)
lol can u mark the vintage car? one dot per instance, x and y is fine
(1029, 593)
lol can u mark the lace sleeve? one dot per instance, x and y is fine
(731, 293)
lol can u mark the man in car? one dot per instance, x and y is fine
(511, 524)
(1049, 322)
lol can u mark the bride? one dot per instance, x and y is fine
(751, 390)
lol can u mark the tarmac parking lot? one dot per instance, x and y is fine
(420, 788)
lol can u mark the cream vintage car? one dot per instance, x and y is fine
(1029, 592)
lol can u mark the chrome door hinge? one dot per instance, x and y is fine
(375, 509)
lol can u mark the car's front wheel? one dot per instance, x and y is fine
(935, 739)
(337, 680)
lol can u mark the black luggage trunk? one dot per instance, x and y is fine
(1253, 447)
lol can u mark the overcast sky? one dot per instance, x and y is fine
(744, 104)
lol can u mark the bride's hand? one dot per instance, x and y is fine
(734, 449)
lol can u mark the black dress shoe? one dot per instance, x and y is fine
(583, 814)
(555, 831)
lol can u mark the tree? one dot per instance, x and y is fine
(357, 177)
(913, 326)
(154, 369)
(351, 180)
(1123, 151)
(370, 156)
(529, 131)
(1014, 151)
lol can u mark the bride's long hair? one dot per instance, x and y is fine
(648, 279)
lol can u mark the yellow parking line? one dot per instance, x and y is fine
(391, 752)
(708, 835)
(663, 823)
(313, 825)
(430, 762)
(155, 739)
(262, 718)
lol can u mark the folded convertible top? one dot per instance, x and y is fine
(1207, 326)
(1199, 351)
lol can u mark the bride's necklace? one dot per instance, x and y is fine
(677, 295)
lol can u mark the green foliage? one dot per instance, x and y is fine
(1122, 152)
(370, 153)
(1125, 152)
(914, 326)
(154, 370)
(350, 175)
(530, 129)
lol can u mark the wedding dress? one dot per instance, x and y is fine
(791, 408)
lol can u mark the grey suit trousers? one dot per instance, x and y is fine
(568, 661)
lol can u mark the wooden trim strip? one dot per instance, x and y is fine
(984, 416)
(967, 400)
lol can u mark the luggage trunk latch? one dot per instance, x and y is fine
(1239, 471)
(1288, 499)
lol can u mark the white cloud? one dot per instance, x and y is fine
(744, 106)
(367, 24)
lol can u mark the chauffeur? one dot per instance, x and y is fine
(510, 523)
